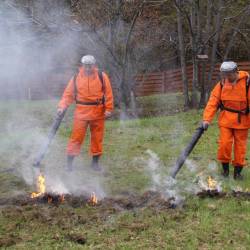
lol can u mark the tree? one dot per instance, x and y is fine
(182, 53)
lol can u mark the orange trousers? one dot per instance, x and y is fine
(78, 134)
(230, 137)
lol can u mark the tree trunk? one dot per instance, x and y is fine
(215, 45)
(205, 51)
(194, 43)
(125, 85)
(182, 55)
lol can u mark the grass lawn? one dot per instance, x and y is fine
(138, 156)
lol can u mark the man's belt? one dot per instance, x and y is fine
(99, 102)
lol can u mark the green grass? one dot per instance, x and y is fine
(200, 224)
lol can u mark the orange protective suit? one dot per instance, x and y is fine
(233, 127)
(89, 90)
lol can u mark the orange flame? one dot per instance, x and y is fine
(40, 187)
(211, 183)
(93, 199)
(62, 198)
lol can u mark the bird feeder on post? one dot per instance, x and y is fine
(202, 59)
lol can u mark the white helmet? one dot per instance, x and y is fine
(228, 67)
(88, 59)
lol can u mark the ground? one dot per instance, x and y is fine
(138, 156)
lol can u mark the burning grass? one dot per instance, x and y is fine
(212, 189)
(149, 199)
(41, 196)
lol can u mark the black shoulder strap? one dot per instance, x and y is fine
(221, 87)
(222, 83)
(247, 83)
(75, 85)
(100, 74)
(247, 88)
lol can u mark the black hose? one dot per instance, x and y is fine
(56, 124)
(185, 153)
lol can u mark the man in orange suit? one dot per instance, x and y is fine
(91, 90)
(231, 96)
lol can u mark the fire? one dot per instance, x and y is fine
(62, 198)
(208, 183)
(211, 183)
(56, 198)
(40, 187)
(93, 199)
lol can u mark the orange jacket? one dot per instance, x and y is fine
(89, 89)
(232, 96)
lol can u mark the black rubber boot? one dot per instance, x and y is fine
(237, 173)
(95, 163)
(225, 167)
(69, 166)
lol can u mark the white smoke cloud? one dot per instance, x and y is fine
(179, 188)
(154, 167)
(160, 180)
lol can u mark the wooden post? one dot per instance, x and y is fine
(29, 93)
(164, 82)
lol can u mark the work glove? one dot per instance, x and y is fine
(205, 125)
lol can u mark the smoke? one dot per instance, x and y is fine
(154, 167)
(24, 134)
(81, 181)
(179, 189)
(160, 180)
(38, 39)
(191, 165)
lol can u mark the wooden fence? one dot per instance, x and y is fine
(171, 80)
